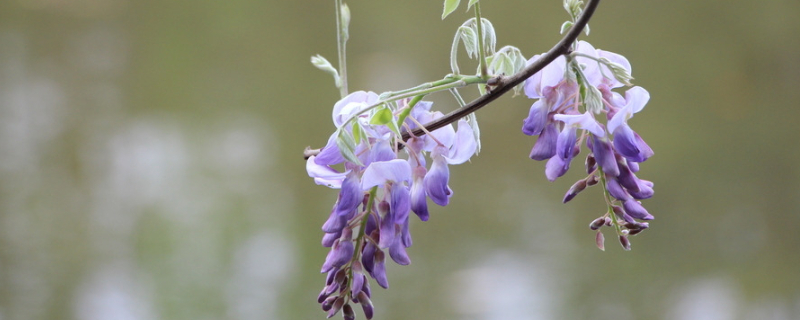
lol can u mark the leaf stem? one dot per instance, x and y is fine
(481, 48)
(341, 41)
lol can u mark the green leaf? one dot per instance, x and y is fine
(471, 2)
(321, 63)
(382, 116)
(470, 39)
(393, 126)
(347, 146)
(357, 132)
(565, 26)
(449, 7)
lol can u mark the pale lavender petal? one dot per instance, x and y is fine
(381, 151)
(351, 104)
(545, 146)
(444, 135)
(419, 202)
(583, 121)
(419, 111)
(616, 58)
(324, 175)
(330, 154)
(634, 166)
(436, 181)
(591, 69)
(555, 168)
(533, 85)
(378, 173)
(553, 73)
(537, 118)
(636, 210)
(636, 98)
(464, 145)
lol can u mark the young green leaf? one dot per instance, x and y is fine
(357, 132)
(323, 64)
(347, 146)
(383, 115)
(471, 2)
(449, 7)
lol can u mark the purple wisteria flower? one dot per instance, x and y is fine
(378, 192)
(570, 93)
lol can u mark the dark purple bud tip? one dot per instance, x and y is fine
(347, 312)
(574, 190)
(366, 304)
(600, 240)
(597, 223)
(339, 277)
(591, 164)
(626, 244)
(327, 304)
(322, 295)
(591, 180)
(634, 232)
(337, 305)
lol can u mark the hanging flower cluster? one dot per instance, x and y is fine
(572, 91)
(382, 179)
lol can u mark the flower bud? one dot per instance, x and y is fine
(597, 223)
(591, 164)
(600, 240)
(626, 244)
(592, 180)
(574, 190)
(328, 303)
(347, 312)
(366, 304)
(337, 305)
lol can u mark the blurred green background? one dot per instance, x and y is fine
(150, 164)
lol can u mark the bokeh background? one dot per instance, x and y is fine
(150, 164)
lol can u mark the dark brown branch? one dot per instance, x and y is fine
(505, 84)
(508, 83)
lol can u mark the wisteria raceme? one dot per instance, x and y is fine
(378, 189)
(570, 92)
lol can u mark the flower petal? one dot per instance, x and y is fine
(537, 118)
(436, 181)
(583, 121)
(419, 202)
(324, 175)
(545, 146)
(378, 173)
(555, 168)
(351, 104)
(464, 145)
